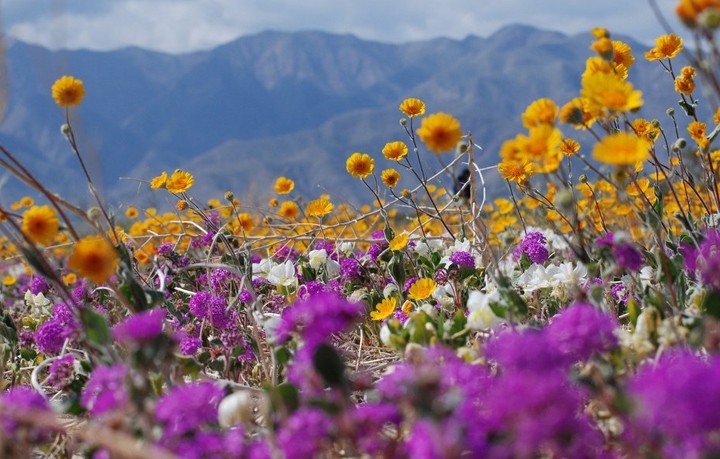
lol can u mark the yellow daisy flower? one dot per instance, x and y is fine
(412, 107)
(384, 309)
(622, 149)
(440, 132)
(284, 185)
(390, 177)
(422, 289)
(159, 181)
(541, 111)
(395, 151)
(40, 224)
(319, 207)
(94, 258)
(666, 47)
(360, 165)
(399, 242)
(179, 182)
(68, 91)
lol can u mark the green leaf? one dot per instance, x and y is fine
(711, 304)
(330, 366)
(95, 326)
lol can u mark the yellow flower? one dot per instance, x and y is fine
(9, 280)
(131, 212)
(577, 114)
(273, 202)
(622, 149)
(69, 278)
(607, 92)
(288, 209)
(284, 185)
(319, 207)
(179, 182)
(569, 147)
(412, 107)
(27, 201)
(645, 129)
(600, 32)
(604, 47)
(383, 309)
(360, 165)
(68, 91)
(517, 171)
(697, 131)
(407, 307)
(684, 85)
(181, 205)
(390, 177)
(541, 111)
(666, 47)
(159, 181)
(40, 224)
(422, 289)
(395, 151)
(440, 131)
(622, 54)
(245, 221)
(94, 258)
(399, 242)
(540, 147)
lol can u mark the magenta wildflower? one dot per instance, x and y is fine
(61, 371)
(21, 399)
(462, 259)
(306, 434)
(105, 390)
(141, 327)
(582, 330)
(186, 407)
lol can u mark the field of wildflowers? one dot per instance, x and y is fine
(577, 318)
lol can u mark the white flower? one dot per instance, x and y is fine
(283, 274)
(481, 315)
(646, 276)
(346, 247)
(242, 407)
(38, 304)
(423, 248)
(444, 294)
(332, 268)
(534, 278)
(458, 246)
(263, 268)
(567, 275)
(385, 334)
(317, 258)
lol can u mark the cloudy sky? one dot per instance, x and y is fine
(186, 25)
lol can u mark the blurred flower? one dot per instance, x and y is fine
(21, 400)
(288, 209)
(159, 181)
(94, 258)
(622, 149)
(105, 390)
(541, 111)
(284, 185)
(581, 330)
(306, 434)
(40, 224)
(608, 92)
(141, 327)
(440, 132)
(68, 91)
(187, 407)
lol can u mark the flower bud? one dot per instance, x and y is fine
(65, 129)
(583, 178)
(403, 121)
(462, 146)
(94, 213)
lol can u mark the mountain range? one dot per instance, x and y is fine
(294, 104)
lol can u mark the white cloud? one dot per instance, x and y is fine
(187, 25)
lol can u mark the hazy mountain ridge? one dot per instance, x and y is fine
(280, 103)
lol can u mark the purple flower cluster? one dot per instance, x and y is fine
(187, 407)
(675, 403)
(533, 245)
(462, 259)
(61, 371)
(205, 305)
(624, 253)
(51, 335)
(581, 330)
(38, 285)
(705, 259)
(21, 400)
(284, 252)
(305, 434)
(105, 390)
(318, 317)
(350, 269)
(141, 327)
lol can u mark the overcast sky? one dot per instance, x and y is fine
(187, 25)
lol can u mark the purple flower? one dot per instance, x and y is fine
(533, 245)
(141, 327)
(350, 269)
(441, 276)
(369, 420)
(245, 296)
(463, 259)
(580, 331)
(190, 345)
(21, 400)
(318, 317)
(677, 400)
(409, 283)
(529, 351)
(165, 249)
(38, 285)
(705, 259)
(186, 407)
(61, 371)
(306, 434)
(627, 257)
(50, 336)
(105, 390)
(374, 251)
(284, 252)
